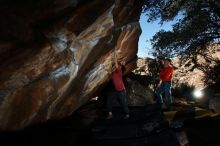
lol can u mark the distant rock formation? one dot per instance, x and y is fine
(194, 73)
(56, 54)
(185, 71)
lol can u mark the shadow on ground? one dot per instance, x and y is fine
(146, 126)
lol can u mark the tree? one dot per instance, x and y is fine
(197, 27)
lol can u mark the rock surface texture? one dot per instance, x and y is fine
(56, 54)
(138, 95)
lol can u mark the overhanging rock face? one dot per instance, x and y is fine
(60, 55)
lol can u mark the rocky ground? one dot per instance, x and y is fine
(148, 125)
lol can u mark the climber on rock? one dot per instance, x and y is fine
(120, 91)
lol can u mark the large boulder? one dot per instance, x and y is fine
(55, 55)
(214, 104)
(138, 95)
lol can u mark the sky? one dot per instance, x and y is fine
(148, 31)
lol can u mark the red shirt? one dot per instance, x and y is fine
(117, 79)
(166, 74)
